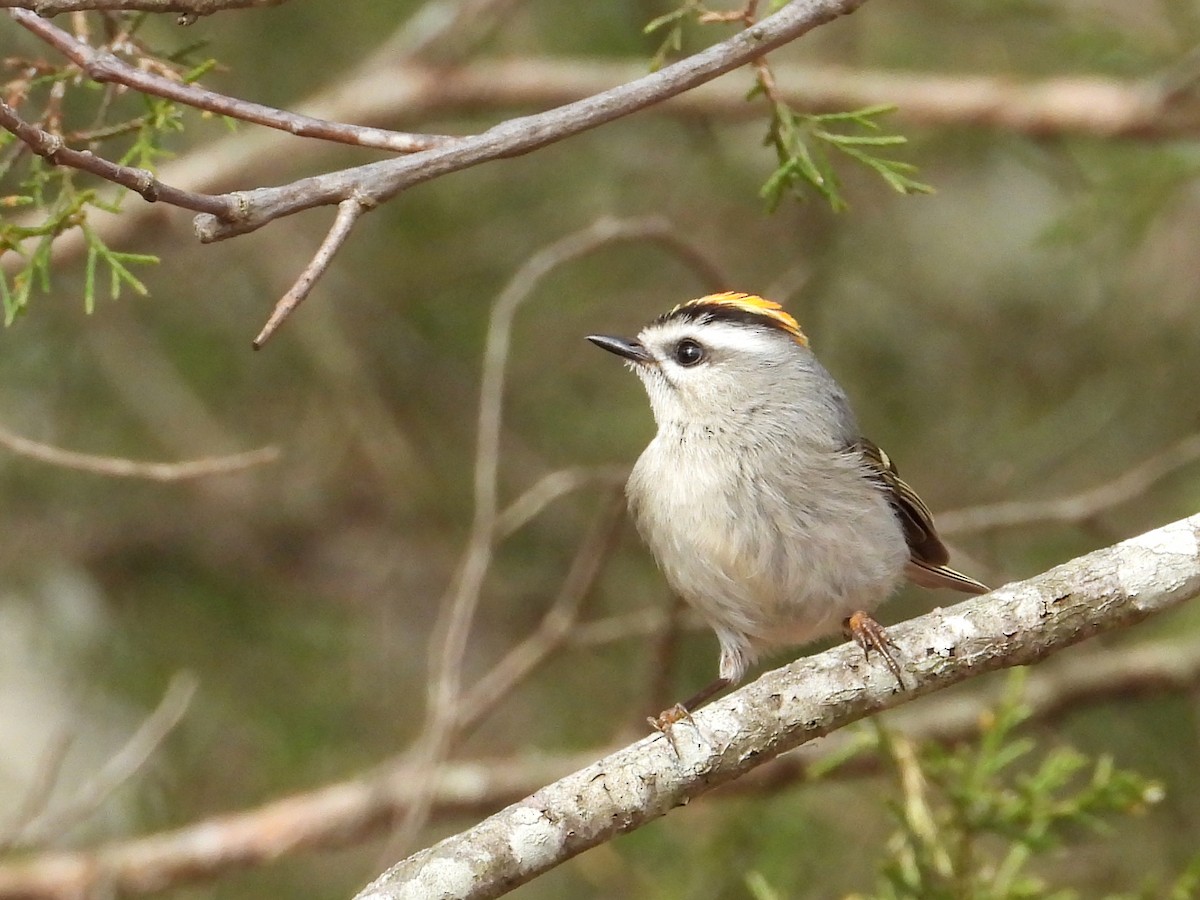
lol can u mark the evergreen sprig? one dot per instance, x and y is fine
(59, 192)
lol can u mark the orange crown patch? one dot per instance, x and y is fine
(745, 307)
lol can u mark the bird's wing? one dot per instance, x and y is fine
(927, 554)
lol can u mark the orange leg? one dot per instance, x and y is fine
(680, 711)
(869, 635)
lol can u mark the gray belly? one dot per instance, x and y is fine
(775, 561)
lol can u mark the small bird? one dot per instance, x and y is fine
(765, 507)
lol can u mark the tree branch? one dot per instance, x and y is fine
(49, 8)
(413, 91)
(104, 68)
(348, 812)
(50, 824)
(1077, 507)
(349, 212)
(140, 181)
(1018, 624)
(379, 182)
(118, 467)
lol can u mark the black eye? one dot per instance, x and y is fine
(688, 352)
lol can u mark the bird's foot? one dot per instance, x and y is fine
(669, 717)
(683, 711)
(870, 635)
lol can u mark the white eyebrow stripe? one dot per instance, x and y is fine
(730, 336)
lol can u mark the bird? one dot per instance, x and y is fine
(763, 504)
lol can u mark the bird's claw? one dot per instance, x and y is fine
(870, 635)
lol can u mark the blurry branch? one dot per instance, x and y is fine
(444, 715)
(551, 487)
(1018, 624)
(189, 8)
(1078, 507)
(555, 626)
(350, 812)
(395, 83)
(128, 468)
(103, 67)
(52, 824)
(1057, 106)
(37, 796)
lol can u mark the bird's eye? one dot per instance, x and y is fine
(688, 352)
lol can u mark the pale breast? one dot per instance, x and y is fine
(779, 553)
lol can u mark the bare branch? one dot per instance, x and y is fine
(117, 771)
(1079, 507)
(117, 467)
(1068, 104)
(383, 180)
(348, 812)
(1018, 624)
(556, 624)
(191, 8)
(141, 181)
(349, 212)
(550, 488)
(37, 797)
(104, 67)
(416, 91)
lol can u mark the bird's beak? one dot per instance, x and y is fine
(630, 350)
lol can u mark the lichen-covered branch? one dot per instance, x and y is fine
(1122, 584)
(1017, 624)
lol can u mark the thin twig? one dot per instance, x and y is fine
(458, 608)
(104, 67)
(550, 634)
(349, 212)
(49, 8)
(37, 797)
(551, 487)
(1080, 507)
(119, 769)
(118, 467)
(52, 148)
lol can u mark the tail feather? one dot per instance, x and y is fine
(931, 576)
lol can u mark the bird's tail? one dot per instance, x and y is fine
(931, 576)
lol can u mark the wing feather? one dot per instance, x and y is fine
(927, 554)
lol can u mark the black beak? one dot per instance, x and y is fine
(630, 350)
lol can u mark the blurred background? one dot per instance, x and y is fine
(1029, 331)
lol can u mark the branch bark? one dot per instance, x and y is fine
(49, 8)
(378, 182)
(1016, 625)
(349, 812)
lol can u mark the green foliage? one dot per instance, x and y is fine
(671, 25)
(805, 143)
(52, 99)
(972, 819)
